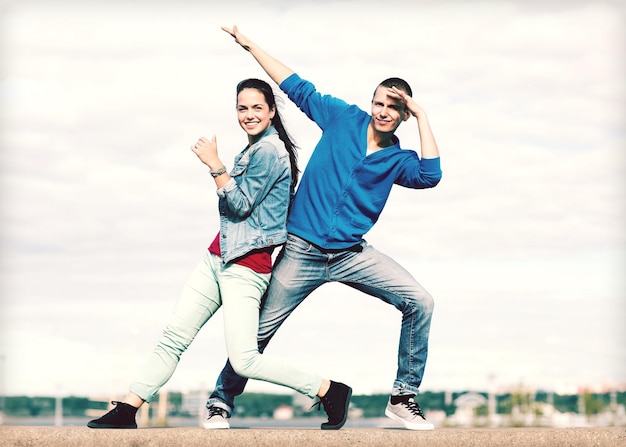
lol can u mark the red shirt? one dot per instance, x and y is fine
(259, 261)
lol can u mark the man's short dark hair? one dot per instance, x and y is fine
(398, 83)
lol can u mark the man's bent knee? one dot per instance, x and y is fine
(424, 304)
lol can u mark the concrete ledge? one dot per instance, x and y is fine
(271, 437)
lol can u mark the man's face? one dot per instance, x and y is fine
(387, 112)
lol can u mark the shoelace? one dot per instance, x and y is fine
(328, 408)
(317, 404)
(216, 411)
(115, 413)
(414, 408)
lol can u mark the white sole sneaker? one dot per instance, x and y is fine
(408, 424)
(216, 425)
(217, 418)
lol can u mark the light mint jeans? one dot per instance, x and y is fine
(238, 290)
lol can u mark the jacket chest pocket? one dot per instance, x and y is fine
(238, 170)
(241, 165)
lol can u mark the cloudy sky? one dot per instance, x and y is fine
(105, 211)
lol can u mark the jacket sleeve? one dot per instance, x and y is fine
(258, 177)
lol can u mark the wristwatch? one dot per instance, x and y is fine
(219, 172)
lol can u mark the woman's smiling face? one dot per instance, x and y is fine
(253, 112)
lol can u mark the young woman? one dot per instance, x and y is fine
(234, 272)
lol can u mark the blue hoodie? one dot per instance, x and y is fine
(342, 191)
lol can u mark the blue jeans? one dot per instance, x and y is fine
(302, 268)
(238, 290)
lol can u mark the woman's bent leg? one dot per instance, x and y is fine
(242, 290)
(199, 300)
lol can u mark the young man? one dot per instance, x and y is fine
(341, 195)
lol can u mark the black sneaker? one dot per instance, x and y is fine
(122, 416)
(336, 402)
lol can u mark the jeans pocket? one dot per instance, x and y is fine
(297, 244)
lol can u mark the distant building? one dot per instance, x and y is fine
(283, 413)
(466, 405)
(193, 403)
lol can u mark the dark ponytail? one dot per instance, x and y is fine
(277, 122)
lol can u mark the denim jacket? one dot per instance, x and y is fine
(253, 205)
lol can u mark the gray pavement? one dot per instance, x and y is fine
(24, 436)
